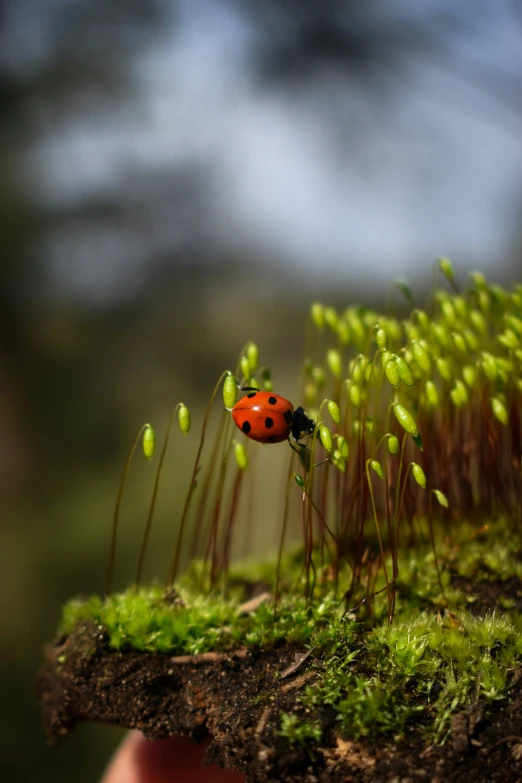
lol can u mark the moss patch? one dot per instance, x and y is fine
(442, 653)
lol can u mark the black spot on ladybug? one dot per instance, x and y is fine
(288, 416)
(246, 427)
(272, 438)
(272, 400)
(269, 423)
(252, 394)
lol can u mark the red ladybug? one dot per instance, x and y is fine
(269, 418)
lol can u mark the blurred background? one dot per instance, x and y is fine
(180, 177)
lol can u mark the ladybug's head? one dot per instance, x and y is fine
(302, 425)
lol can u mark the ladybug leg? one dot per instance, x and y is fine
(304, 453)
(297, 451)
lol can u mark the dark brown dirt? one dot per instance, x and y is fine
(237, 699)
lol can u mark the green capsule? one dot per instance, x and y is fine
(385, 355)
(441, 497)
(310, 394)
(441, 335)
(405, 419)
(405, 290)
(376, 467)
(253, 357)
(343, 332)
(516, 296)
(245, 367)
(266, 379)
(498, 294)
(319, 376)
(448, 311)
(342, 445)
(241, 455)
(369, 372)
(355, 395)
(418, 474)
(333, 410)
(446, 267)
(325, 436)
(369, 318)
(432, 395)
(479, 280)
(184, 419)
(421, 356)
(331, 318)
(356, 326)
(459, 394)
(394, 329)
(404, 370)
(357, 369)
(333, 359)
(299, 481)
(478, 321)
(461, 306)
(317, 315)
(412, 331)
(505, 368)
(443, 368)
(381, 338)
(471, 339)
(514, 323)
(489, 365)
(459, 342)
(229, 391)
(469, 374)
(393, 444)
(422, 319)
(253, 383)
(509, 339)
(499, 410)
(483, 300)
(308, 366)
(149, 442)
(391, 371)
(338, 461)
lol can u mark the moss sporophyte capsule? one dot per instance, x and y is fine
(229, 391)
(149, 442)
(184, 419)
(333, 410)
(325, 437)
(253, 357)
(405, 419)
(240, 455)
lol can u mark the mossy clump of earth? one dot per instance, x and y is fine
(311, 685)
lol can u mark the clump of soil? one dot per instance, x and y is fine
(237, 698)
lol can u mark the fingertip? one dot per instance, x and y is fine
(173, 760)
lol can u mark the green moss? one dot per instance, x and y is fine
(298, 731)
(436, 658)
